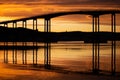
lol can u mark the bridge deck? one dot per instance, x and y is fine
(57, 14)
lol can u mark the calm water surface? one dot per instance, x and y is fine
(73, 56)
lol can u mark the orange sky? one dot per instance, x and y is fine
(13, 9)
(23, 8)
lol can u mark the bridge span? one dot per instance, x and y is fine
(95, 15)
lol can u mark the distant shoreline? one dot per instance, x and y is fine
(28, 35)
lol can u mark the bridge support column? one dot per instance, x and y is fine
(6, 50)
(24, 24)
(14, 24)
(47, 49)
(47, 25)
(47, 55)
(24, 56)
(6, 56)
(23, 60)
(35, 55)
(14, 55)
(6, 41)
(35, 24)
(24, 52)
(96, 45)
(14, 44)
(113, 44)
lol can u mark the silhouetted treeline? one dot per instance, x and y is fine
(29, 35)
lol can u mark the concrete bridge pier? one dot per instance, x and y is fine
(35, 56)
(6, 50)
(113, 44)
(47, 25)
(24, 25)
(5, 56)
(14, 25)
(24, 52)
(14, 56)
(35, 24)
(23, 60)
(14, 52)
(47, 44)
(35, 27)
(96, 45)
(24, 56)
(47, 55)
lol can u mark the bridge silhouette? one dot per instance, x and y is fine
(95, 15)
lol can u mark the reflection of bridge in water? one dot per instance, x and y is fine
(95, 14)
(24, 51)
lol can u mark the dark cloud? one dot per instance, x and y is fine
(64, 2)
(17, 1)
(107, 2)
(85, 3)
(81, 2)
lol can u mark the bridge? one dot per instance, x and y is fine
(95, 15)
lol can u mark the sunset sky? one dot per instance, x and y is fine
(14, 9)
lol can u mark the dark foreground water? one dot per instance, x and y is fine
(70, 56)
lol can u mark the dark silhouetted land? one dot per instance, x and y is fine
(28, 35)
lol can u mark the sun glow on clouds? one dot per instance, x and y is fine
(24, 8)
